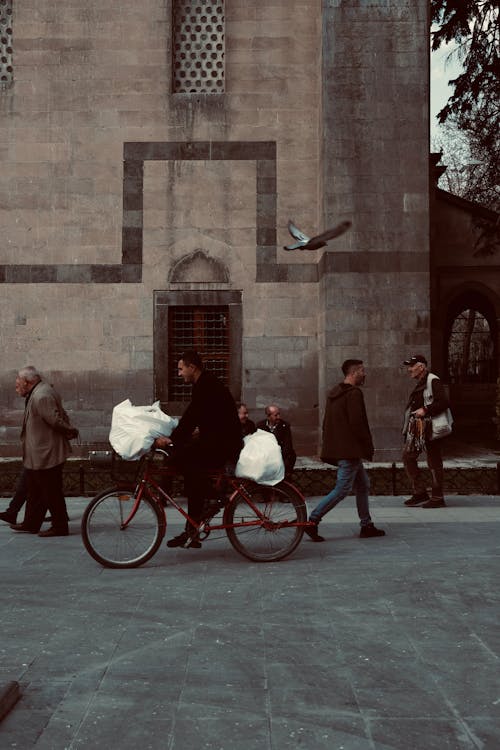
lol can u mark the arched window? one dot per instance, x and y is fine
(471, 348)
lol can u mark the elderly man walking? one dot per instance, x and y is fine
(45, 437)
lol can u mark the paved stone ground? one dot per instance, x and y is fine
(379, 644)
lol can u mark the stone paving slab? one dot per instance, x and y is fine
(376, 644)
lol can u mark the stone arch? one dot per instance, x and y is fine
(475, 296)
(199, 266)
(473, 394)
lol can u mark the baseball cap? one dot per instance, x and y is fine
(414, 359)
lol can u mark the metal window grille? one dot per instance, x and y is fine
(205, 329)
(6, 69)
(471, 349)
(198, 47)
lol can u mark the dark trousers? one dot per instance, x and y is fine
(45, 490)
(194, 461)
(20, 493)
(435, 464)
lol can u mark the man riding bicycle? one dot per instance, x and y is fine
(207, 437)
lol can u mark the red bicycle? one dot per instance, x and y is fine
(124, 526)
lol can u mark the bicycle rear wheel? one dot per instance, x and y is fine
(115, 536)
(268, 538)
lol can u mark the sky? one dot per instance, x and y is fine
(441, 72)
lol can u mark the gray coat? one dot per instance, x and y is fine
(46, 429)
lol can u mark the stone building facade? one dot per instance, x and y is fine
(152, 154)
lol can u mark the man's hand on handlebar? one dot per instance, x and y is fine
(162, 442)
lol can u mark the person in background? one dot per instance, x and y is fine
(247, 426)
(347, 441)
(428, 399)
(283, 434)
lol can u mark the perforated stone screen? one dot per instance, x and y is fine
(198, 47)
(6, 70)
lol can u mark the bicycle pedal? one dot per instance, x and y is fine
(192, 543)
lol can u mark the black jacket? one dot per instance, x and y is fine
(283, 435)
(346, 433)
(213, 411)
(247, 428)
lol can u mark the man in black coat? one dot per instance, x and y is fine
(283, 434)
(207, 437)
(346, 441)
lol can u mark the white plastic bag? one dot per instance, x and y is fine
(134, 428)
(261, 459)
(442, 425)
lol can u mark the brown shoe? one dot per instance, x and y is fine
(419, 499)
(435, 502)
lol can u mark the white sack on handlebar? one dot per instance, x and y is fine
(261, 459)
(135, 428)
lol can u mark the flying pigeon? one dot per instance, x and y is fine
(313, 243)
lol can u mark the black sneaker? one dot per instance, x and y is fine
(435, 502)
(422, 497)
(369, 531)
(178, 541)
(312, 531)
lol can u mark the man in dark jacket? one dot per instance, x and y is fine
(283, 434)
(207, 437)
(427, 400)
(346, 441)
(247, 426)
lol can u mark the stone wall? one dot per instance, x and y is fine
(374, 288)
(110, 183)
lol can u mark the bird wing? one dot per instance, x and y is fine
(331, 233)
(295, 232)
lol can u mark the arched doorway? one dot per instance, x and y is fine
(471, 363)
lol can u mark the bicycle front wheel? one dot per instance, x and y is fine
(116, 536)
(264, 534)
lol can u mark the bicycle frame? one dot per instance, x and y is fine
(262, 523)
(146, 481)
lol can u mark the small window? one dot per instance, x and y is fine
(6, 69)
(198, 47)
(205, 329)
(471, 349)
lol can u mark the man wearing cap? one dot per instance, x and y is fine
(428, 399)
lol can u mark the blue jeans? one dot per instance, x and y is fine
(351, 475)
